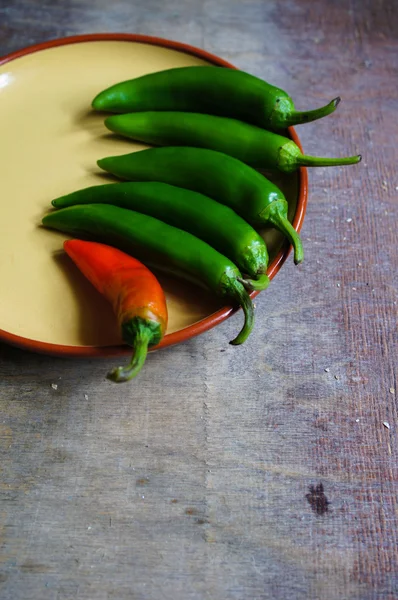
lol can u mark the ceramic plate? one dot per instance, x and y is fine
(50, 142)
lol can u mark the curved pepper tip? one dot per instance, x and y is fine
(243, 299)
(123, 374)
(298, 252)
(109, 123)
(101, 163)
(97, 103)
(119, 375)
(336, 101)
(255, 285)
(296, 117)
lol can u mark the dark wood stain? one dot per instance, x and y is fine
(317, 499)
(202, 521)
(141, 481)
(191, 511)
(31, 567)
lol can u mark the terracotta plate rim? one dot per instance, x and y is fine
(213, 319)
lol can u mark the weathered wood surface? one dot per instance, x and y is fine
(259, 472)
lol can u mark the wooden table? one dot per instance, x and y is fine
(267, 471)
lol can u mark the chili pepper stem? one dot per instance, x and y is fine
(261, 283)
(316, 161)
(243, 298)
(276, 214)
(295, 117)
(290, 158)
(122, 374)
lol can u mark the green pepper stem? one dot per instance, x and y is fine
(296, 117)
(316, 161)
(238, 292)
(276, 214)
(261, 283)
(122, 374)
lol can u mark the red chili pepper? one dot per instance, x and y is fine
(134, 292)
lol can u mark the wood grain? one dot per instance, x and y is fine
(259, 472)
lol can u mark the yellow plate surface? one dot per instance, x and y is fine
(50, 142)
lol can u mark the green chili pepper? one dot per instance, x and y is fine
(157, 244)
(250, 144)
(221, 177)
(210, 90)
(205, 218)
